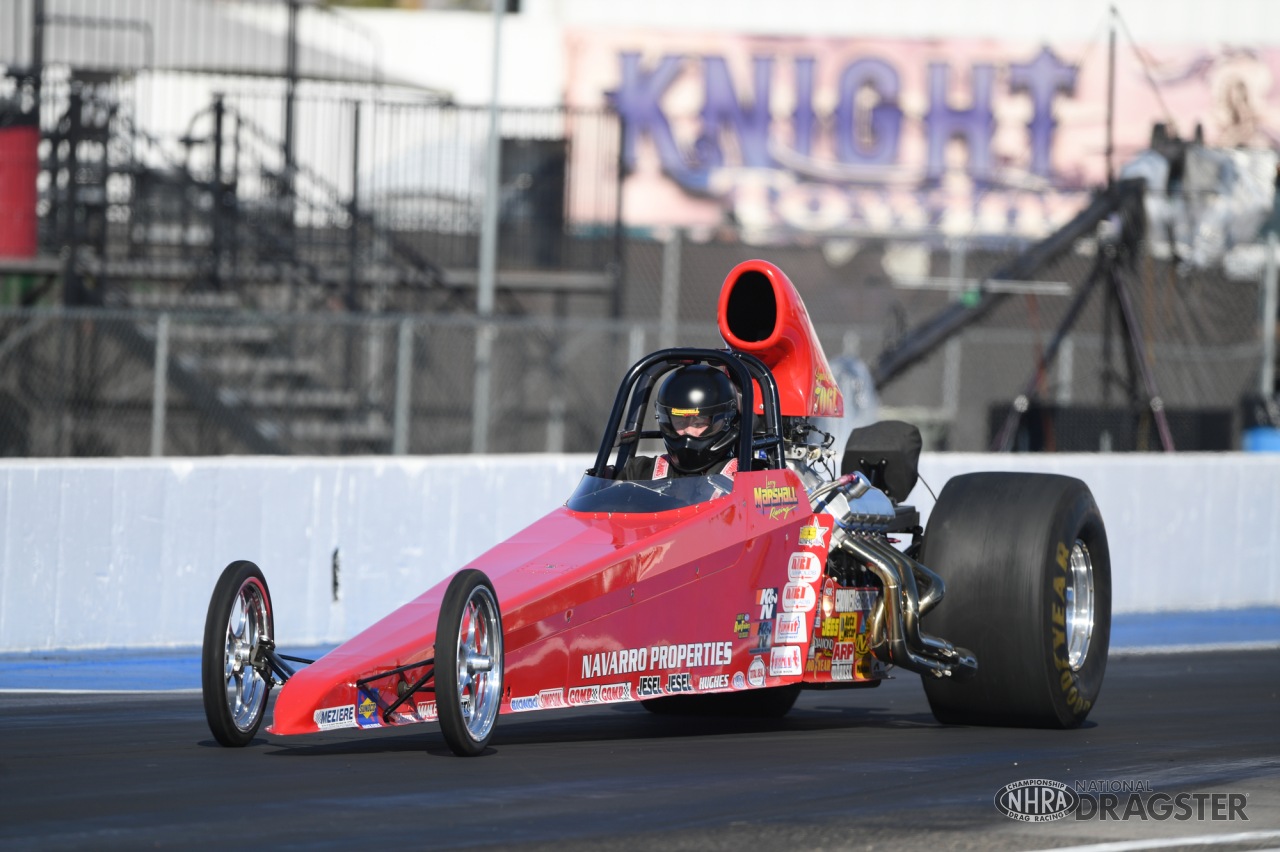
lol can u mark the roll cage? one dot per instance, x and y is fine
(760, 437)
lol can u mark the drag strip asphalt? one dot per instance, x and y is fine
(847, 769)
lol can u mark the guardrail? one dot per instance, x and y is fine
(124, 552)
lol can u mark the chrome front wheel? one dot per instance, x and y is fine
(234, 678)
(468, 663)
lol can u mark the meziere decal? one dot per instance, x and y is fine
(336, 717)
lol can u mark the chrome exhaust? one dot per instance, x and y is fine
(895, 625)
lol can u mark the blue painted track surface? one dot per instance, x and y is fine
(135, 669)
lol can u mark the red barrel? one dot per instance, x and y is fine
(19, 165)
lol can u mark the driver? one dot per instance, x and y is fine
(698, 416)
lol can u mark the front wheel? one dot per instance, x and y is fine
(233, 674)
(1028, 590)
(468, 663)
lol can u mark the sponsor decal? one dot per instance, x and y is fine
(775, 501)
(710, 682)
(367, 715)
(550, 699)
(767, 600)
(1036, 800)
(785, 660)
(814, 533)
(842, 659)
(824, 647)
(830, 627)
(851, 624)
(739, 680)
(427, 710)
(526, 703)
(650, 685)
(613, 692)
(656, 658)
(764, 637)
(798, 597)
(818, 664)
(329, 718)
(856, 600)
(742, 625)
(789, 629)
(804, 568)
(679, 682)
(826, 395)
(755, 672)
(579, 695)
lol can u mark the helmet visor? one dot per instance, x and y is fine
(703, 422)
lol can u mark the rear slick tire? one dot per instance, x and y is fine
(468, 663)
(1028, 591)
(239, 620)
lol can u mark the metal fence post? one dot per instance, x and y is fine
(1267, 381)
(404, 372)
(160, 393)
(669, 304)
(484, 376)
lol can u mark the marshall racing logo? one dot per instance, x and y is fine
(775, 501)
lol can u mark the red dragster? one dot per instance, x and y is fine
(726, 592)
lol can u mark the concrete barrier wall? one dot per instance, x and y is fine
(124, 553)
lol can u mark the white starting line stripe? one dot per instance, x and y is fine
(1202, 840)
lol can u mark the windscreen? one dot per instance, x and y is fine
(595, 494)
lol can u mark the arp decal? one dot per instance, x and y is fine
(842, 661)
(803, 568)
(785, 660)
(775, 501)
(329, 718)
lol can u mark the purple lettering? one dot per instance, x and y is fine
(1042, 78)
(976, 125)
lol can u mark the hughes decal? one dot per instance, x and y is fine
(656, 658)
(711, 682)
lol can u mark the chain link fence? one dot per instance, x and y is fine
(134, 383)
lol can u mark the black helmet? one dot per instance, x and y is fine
(690, 395)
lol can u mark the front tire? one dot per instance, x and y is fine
(1028, 591)
(234, 681)
(468, 663)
